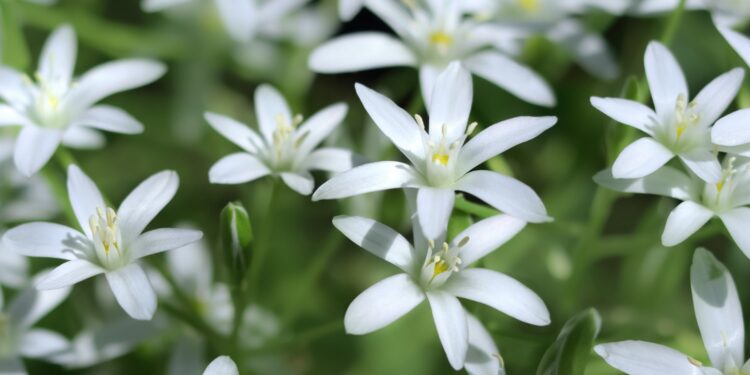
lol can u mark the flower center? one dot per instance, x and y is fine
(720, 196)
(441, 38)
(106, 236)
(440, 265)
(684, 116)
(530, 6)
(442, 155)
(286, 141)
(46, 108)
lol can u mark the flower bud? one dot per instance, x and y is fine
(235, 237)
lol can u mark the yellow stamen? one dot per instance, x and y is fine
(441, 38)
(440, 158)
(680, 130)
(720, 185)
(694, 362)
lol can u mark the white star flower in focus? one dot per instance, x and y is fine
(719, 315)
(54, 107)
(112, 241)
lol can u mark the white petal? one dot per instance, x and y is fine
(683, 221)
(158, 240)
(301, 182)
(483, 357)
(237, 168)
(393, 13)
(235, 131)
(360, 51)
(69, 273)
(394, 122)
(319, 126)
(501, 292)
(450, 103)
(500, 137)
(714, 99)
(31, 305)
(641, 158)
(113, 77)
(704, 163)
(84, 197)
(191, 266)
(109, 118)
(159, 5)
(737, 222)
(452, 326)
(239, 18)
(270, 108)
(133, 291)
(367, 178)
(145, 202)
(434, 207)
(40, 343)
(222, 366)
(34, 147)
(349, 8)
(717, 309)
(505, 194)
(666, 181)
(14, 269)
(13, 85)
(627, 112)
(46, 240)
(83, 138)
(739, 42)
(518, 79)
(486, 236)
(427, 76)
(378, 239)
(590, 49)
(10, 117)
(732, 129)
(58, 58)
(645, 358)
(331, 160)
(381, 304)
(665, 78)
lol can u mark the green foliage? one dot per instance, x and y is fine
(570, 353)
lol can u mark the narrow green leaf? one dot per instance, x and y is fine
(569, 354)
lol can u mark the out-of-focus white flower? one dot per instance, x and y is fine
(437, 271)
(286, 146)
(441, 163)
(679, 127)
(431, 37)
(482, 357)
(55, 108)
(719, 315)
(112, 241)
(349, 8)
(222, 366)
(18, 338)
(728, 199)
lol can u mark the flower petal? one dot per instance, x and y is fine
(14, 269)
(368, 312)
(301, 182)
(665, 79)
(58, 58)
(394, 14)
(84, 197)
(641, 158)
(10, 117)
(366, 178)
(627, 112)
(145, 202)
(159, 5)
(46, 240)
(237, 168)
(590, 49)
(318, 127)
(331, 160)
(683, 221)
(483, 357)
(704, 163)
(485, 236)
(235, 131)
(34, 147)
(737, 221)
(222, 365)
(360, 51)
(717, 309)
(158, 240)
(427, 76)
(505, 194)
(452, 326)
(434, 207)
(31, 305)
(109, 118)
(68, 274)
(41, 343)
(450, 103)
(349, 8)
(501, 292)
(666, 181)
(83, 138)
(645, 358)
(739, 42)
(508, 74)
(714, 99)
(378, 239)
(271, 108)
(732, 129)
(133, 291)
(239, 18)
(500, 137)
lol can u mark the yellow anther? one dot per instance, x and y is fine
(531, 6)
(440, 158)
(463, 241)
(694, 362)
(440, 267)
(471, 128)
(680, 130)
(420, 121)
(720, 185)
(441, 38)
(298, 118)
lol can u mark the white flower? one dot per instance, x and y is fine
(738, 41)
(112, 241)
(286, 146)
(222, 365)
(56, 108)
(728, 13)
(18, 338)
(349, 8)
(482, 357)
(437, 271)
(441, 162)
(719, 316)
(431, 38)
(728, 199)
(679, 127)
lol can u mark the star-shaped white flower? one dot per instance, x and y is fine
(719, 315)
(18, 338)
(679, 127)
(431, 37)
(286, 146)
(55, 108)
(222, 365)
(112, 241)
(728, 199)
(437, 271)
(441, 162)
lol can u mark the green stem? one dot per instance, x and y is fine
(673, 23)
(56, 182)
(264, 240)
(304, 337)
(476, 209)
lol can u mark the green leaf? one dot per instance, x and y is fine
(569, 354)
(15, 52)
(234, 239)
